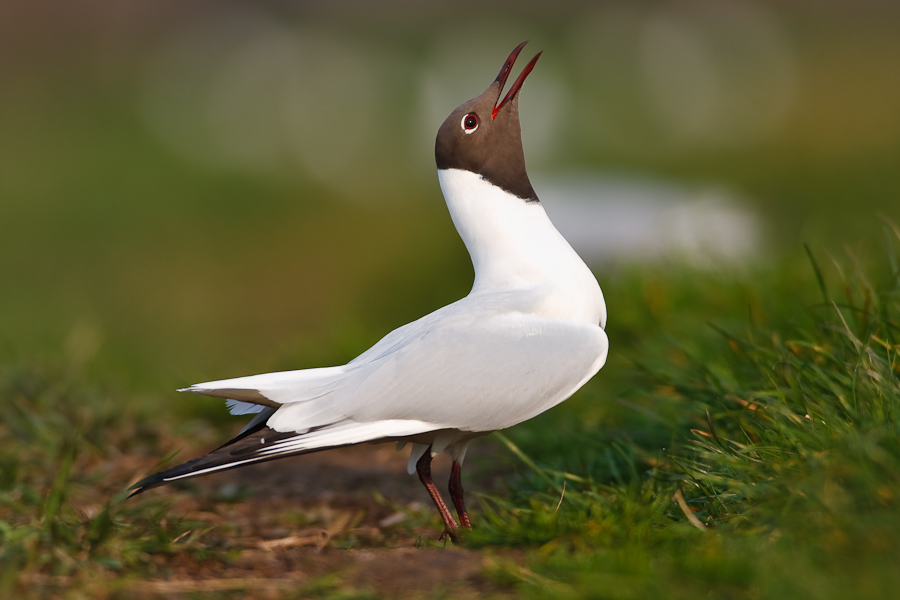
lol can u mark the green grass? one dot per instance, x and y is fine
(784, 444)
(770, 401)
(127, 272)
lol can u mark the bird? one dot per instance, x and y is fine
(529, 334)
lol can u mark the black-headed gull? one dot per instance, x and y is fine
(528, 335)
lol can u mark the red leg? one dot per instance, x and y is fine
(423, 468)
(456, 494)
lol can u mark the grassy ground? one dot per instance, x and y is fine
(743, 444)
(742, 441)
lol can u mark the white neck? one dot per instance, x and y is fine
(514, 245)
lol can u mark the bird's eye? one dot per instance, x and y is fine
(470, 123)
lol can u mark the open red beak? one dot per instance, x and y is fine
(504, 75)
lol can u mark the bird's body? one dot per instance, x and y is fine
(527, 336)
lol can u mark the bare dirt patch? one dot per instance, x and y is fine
(349, 519)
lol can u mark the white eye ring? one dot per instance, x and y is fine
(462, 123)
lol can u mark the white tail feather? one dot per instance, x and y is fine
(236, 407)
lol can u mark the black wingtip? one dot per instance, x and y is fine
(147, 483)
(255, 445)
(242, 450)
(156, 480)
(184, 469)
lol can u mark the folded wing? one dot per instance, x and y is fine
(468, 374)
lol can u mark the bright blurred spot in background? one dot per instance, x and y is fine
(611, 219)
(200, 185)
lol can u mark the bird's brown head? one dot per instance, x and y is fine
(483, 135)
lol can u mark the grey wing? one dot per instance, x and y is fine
(473, 374)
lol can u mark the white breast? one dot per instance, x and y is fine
(515, 247)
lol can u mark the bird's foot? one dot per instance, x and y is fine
(457, 536)
(451, 533)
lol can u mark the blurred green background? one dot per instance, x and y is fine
(190, 191)
(198, 190)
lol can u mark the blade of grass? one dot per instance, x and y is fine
(819, 278)
(527, 461)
